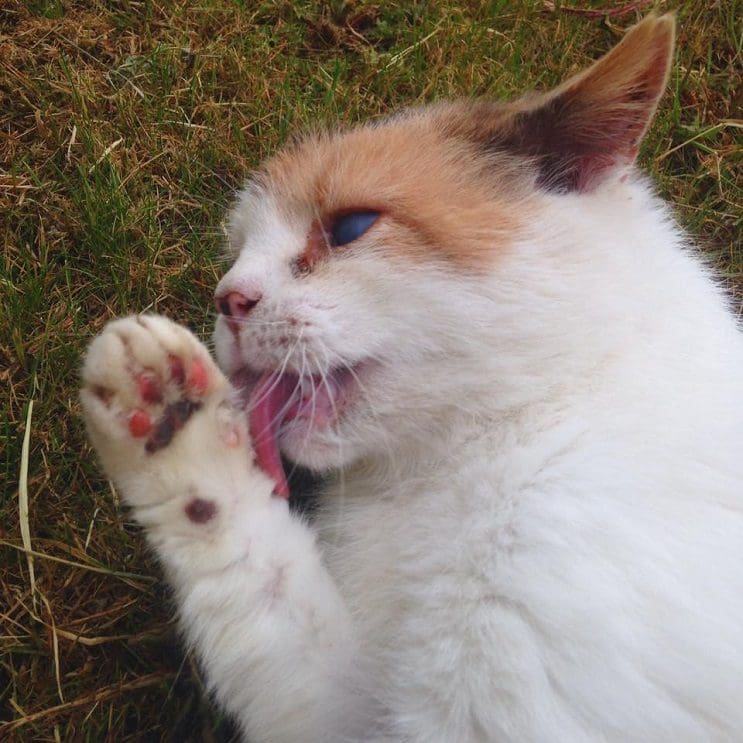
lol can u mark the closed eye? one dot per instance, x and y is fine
(349, 227)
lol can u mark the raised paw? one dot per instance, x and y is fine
(144, 377)
(161, 416)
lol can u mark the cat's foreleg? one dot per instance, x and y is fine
(254, 599)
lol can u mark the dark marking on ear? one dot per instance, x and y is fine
(593, 123)
(200, 510)
(566, 159)
(174, 418)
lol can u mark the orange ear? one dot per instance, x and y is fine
(595, 121)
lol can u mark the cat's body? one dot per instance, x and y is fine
(613, 503)
(531, 390)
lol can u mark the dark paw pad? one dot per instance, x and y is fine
(200, 510)
(173, 419)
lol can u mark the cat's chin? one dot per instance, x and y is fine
(317, 449)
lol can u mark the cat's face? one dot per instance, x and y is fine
(364, 254)
(361, 291)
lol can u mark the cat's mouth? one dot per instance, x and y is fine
(277, 401)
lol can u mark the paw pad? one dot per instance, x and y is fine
(198, 378)
(103, 394)
(173, 419)
(200, 510)
(149, 388)
(149, 376)
(140, 424)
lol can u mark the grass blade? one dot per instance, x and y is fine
(23, 502)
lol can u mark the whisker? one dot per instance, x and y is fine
(276, 378)
(258, 323)
(324, 379)
(301, 380)
(369, 402)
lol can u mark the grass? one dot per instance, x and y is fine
(124, 128)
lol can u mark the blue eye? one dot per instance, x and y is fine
(347, 228)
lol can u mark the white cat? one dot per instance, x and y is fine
(480, 318)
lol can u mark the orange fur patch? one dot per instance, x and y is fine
(458, 181)
(439, 197)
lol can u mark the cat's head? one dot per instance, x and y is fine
(361, 300)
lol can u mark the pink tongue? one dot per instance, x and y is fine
(275, 400)
(269, 403)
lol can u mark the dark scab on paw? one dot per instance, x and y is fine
(181, 411)
(200, 510)
(103, 394)
(161, 437)
(174, 418)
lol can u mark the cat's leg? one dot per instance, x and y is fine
(254, 599)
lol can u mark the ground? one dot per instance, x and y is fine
(124, 129)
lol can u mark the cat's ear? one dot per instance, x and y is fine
(593, 123)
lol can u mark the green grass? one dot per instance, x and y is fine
(124, 129)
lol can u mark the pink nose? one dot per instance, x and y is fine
(235, 304)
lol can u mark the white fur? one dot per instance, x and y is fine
(536, 529)
(563, 563)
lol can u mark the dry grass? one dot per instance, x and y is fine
(124, 128)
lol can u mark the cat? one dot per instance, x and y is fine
(524, 387)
